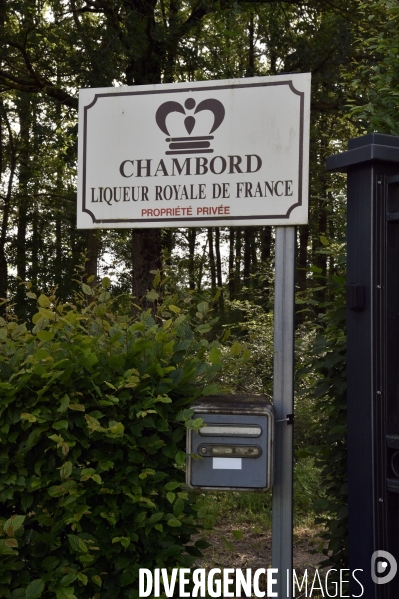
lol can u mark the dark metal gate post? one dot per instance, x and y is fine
(372, 165)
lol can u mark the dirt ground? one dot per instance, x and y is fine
(253, 550)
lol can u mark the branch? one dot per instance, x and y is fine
(24, 85)
(198, 13)
(94, 5)
(37, 83)
(75, 16)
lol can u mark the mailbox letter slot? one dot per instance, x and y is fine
(230, 451)
(235, 430)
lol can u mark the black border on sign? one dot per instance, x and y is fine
(195, 218)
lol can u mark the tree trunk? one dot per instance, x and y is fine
(4, 222)
(231, 265)
(219, 267)
(58, 278)
(201, 266)
(303, 256)
(332, 233)
(167, 236)
(92, 249)
(237, 269)
(146, 257)
(145, 67)
(254, 243)
(23, 200)
(265, 244)
(320, 260)
(7, 199)
(212, 260)
(35, 250)
(247, 256)
(192, 235)
(251, 49)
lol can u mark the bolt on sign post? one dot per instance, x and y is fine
(372, 167)
(209, 153)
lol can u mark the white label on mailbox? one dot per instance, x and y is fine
(227, 463)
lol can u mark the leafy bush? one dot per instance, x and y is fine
(331, 453)
(93, 415)
(307, 488)
(328, 365)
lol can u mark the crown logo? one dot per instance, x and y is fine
(190, 144)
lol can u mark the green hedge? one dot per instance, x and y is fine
(93, 415)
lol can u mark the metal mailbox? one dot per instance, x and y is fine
(234, 449)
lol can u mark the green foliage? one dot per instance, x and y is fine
(327, 363)
(252, 341)
(308, 488)
(375, 87)
(93, 415)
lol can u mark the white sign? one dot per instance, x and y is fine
(209, 153)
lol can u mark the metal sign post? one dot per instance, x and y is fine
(283, 402)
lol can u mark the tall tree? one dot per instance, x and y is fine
(8, 164)
(51, 50)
